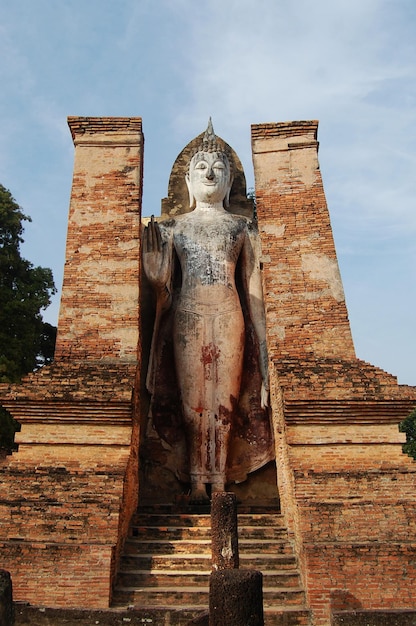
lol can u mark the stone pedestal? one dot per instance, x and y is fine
(236, 598)
(224, 531)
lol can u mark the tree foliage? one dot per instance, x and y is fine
(26, 341)
(408, 426)
(251, 195)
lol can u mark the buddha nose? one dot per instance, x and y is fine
(210, 174)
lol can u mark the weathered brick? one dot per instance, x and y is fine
(347, 490)
(68, 494)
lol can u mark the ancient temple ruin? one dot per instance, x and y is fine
(96, 451)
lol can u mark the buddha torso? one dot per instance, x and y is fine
(208, 244)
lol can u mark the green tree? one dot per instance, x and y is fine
(408, 426)
(26, 341)
(251, 195)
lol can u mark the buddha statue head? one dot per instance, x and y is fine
(209, 178)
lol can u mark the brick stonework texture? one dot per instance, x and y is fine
(303, 290)
(346, 490)
(99, 306)
(67, 495)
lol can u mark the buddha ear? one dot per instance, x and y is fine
(191, 195)
(227, 195)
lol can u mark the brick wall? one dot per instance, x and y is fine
(303, 290)
(100, 297)
(346, 489)
(68, 494)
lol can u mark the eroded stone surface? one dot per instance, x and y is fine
(224, 531)
(236, 598)
(208, 327)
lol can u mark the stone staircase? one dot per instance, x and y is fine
(166, 565)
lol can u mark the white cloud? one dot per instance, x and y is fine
(351, 64)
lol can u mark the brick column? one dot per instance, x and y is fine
(69, 492)
(346, 489)
(100, 296)
(306, 310)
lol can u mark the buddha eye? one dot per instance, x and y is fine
(219, 165)
(201, 165)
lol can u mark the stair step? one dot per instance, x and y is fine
(257, 560)
(189, 595)
(198, 595)
(199, 510)
(179, 615)
(174, 561)
(262, 519)
(262, 532)
(171, 533)
(176, 519)
(203, 532)
(166, 564)
(296, 615)
(180, 546)
(268, 546)
(203, 561)
(171, 519)
(190, 546)
(163, 577)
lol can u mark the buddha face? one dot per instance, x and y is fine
(209, 178)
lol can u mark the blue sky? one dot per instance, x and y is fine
(351, 64)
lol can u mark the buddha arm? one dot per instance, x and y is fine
(157, 262)
(157, 265)
(254, 290)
